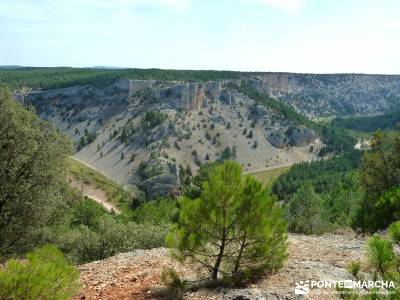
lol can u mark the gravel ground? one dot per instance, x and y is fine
(136, 275)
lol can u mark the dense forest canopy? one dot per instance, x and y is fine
(386, 121)
(52, 78)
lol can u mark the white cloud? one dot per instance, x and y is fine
(177, 4)
(289, 6)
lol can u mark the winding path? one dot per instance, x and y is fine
(94, 193)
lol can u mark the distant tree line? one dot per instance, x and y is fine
(386, 121)
(52, 78)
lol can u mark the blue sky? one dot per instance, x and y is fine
(319, 36)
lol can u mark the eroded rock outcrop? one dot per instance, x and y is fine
(331, 94)
(162, 123)
(159, 178)
(296, 136)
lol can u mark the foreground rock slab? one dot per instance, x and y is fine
(136, 275)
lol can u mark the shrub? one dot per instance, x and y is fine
(111, 236)
(153, 118)
(176, 286)
(304, 211)
(45, 274)
(86, 212)
(383, 264)
(228, 153)
(32, 174)
(156, 212)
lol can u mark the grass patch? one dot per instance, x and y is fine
(115, 193)
(268, 177)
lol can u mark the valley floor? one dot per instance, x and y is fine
(136, 275)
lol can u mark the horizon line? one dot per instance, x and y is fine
(119, 68)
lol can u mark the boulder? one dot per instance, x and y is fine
(277, 138)
(300, 136)
(160, 132)
(165, 181)
(258, 111)
(296, 136)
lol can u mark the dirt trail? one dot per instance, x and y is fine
(269, 168)
(88, 165)
(94, 193)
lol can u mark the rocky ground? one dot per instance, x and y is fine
(136, 275)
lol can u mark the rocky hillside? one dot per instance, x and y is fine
(136, 275)
(318, 95)
(143, 132)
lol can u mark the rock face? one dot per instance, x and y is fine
(332, 94)
(213, 90)
(186, 96)
(136, 275)
(277, 84)
(277, 138)
(165, 184)
(226, 97)
(297, 136)
(300, 136)
(159, 179)
(169, 125)
(195, 122)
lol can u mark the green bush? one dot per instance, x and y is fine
(156, 212)
(176, 286)
(32, 174)
(383, 264)
(86, 212)
(45, 274)
(153, 118)
(108, 237)
(304, 211)
(381, 257)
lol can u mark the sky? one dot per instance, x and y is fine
(307, 36)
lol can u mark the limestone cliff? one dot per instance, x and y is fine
(140, 132)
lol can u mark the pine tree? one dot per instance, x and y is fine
(45, 274)
(381, 180)
(233, 228)
(304, 211)
(383, 264)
